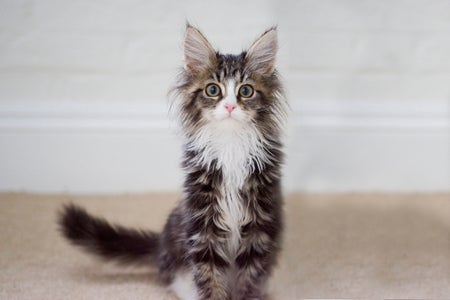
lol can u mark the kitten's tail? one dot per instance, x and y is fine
(97, 236)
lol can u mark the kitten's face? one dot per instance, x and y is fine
(228, 100)
(228, 93)
(229, 90)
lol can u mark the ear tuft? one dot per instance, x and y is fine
(198, 53)
(261, 55)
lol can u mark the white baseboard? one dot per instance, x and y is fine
(122, 147)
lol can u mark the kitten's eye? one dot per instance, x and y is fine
(212, 90)
(246, 91)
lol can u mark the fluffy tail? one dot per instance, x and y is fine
(97, 236)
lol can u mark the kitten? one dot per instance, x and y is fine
(222, 240)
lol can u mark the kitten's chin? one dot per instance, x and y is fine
(228, 124)
(230, 121)
(236, 116)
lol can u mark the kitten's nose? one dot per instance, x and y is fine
(230, 107)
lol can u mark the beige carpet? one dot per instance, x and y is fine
(346, 246)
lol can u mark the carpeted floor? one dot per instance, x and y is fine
(336, 246)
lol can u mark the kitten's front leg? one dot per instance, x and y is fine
(210, 282)
(209, 263)
(255, 260)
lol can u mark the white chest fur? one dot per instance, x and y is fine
(235, 148)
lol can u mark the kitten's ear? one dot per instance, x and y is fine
(261, 55)
(198, 53)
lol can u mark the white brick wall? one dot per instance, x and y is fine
(369, 50)
(354, 70)
(130, 50)
(109, 50)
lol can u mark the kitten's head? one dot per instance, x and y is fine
(230, 91)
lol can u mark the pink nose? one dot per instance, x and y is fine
(230, 107)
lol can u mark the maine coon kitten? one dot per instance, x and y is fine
(222, 240)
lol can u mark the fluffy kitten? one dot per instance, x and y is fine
(222, 240)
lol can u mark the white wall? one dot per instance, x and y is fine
(83, 91)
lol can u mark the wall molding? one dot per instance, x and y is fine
(427, 115)
(430, 115)
(83, 116)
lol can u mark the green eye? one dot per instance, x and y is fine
(212, 90)
(246, 91)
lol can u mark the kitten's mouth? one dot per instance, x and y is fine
(232, 123)
(229, 118)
